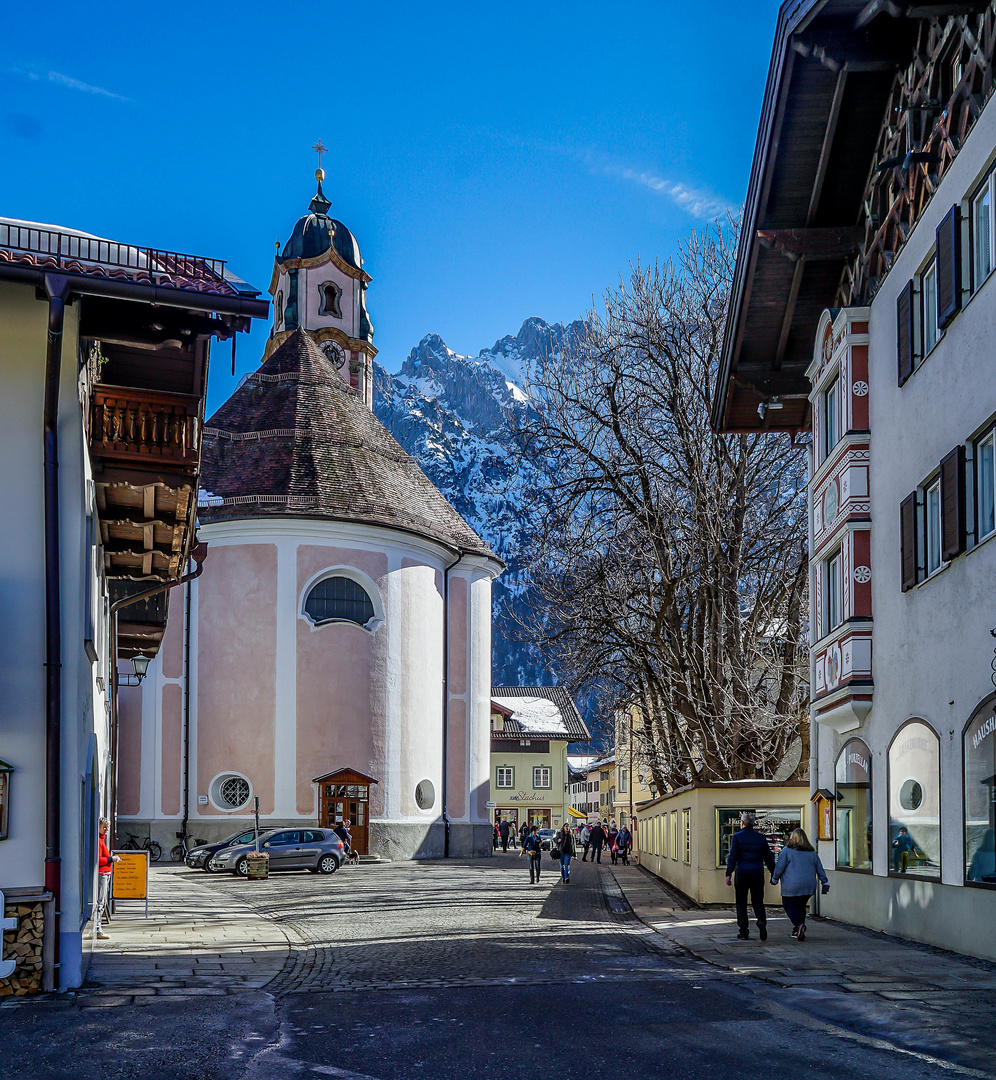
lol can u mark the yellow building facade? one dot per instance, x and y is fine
(684, 837)
(531, 727)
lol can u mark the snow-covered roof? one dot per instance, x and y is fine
(546, 712)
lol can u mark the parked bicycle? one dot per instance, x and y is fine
(147, 844)
(179, 852)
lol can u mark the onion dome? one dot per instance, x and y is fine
(316, 233)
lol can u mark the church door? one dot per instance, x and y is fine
(350, 801)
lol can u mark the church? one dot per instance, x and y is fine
(333, 658)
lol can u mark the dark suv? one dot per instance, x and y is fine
(317, 850)
(199, 858)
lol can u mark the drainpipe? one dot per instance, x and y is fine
(446, 703)
(57, 291)
(198, 555)
(186, 708)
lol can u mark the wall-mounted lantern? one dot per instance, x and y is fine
(823, 800)
(141, 666)
(5, 773)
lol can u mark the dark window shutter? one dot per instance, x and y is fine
(904, 338)
(949, 267)
(953, 503)
(907, 540)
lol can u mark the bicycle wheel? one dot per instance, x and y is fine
(155, 851)
(177, 853)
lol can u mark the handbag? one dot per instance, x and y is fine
(555, 854)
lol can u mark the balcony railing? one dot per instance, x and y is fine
(63, 247)
(145, 426)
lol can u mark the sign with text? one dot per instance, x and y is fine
(131, 876)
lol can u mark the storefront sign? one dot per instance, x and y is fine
(521, 796)
(131, 876)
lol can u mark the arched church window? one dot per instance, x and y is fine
(278, 311)
(338, 599)
(331, 295)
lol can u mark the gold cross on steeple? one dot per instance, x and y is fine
(319, 150)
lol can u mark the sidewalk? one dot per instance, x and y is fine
(917, 997)
(196, 941)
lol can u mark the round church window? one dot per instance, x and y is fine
(230, 791)
(425, 794)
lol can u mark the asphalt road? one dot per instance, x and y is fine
(452, 970)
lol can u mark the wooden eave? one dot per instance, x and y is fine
(347, 775)
(832, 69)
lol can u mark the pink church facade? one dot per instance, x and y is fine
(342, 619)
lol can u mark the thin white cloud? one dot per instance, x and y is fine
(699, 204)
(75, 84)
(60, 79)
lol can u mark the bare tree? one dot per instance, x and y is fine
(670, 561)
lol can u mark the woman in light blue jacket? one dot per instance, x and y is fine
(798, 868)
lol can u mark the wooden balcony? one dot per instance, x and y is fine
(145, 427)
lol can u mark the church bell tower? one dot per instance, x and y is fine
(319, 285)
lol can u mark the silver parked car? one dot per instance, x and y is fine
(198, 858)
(317, 850)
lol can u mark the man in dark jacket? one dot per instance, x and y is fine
(749, 855)
(598, 835)
(532, 847)
(503, 833)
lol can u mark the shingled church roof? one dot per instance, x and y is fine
(295, 441)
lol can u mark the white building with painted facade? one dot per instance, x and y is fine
(864, 310)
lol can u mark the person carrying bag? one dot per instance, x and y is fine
(798, 869)
(563, 845)
(532, 846)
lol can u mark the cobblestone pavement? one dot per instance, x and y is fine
(913, 995)
(431, 970)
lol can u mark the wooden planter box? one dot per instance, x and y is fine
(258, 866)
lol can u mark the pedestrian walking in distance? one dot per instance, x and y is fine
(565, 841)
(586, 841)
(598, 836)
(532, 847)
(749, 855)
(503, 831)
(798, 869)
(624, 844)
(105, 869)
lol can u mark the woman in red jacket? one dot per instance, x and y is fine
(105, 867)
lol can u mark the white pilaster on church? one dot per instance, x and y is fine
(285, 719)
(394, 687)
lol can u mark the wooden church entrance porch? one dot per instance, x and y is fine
(345, 795)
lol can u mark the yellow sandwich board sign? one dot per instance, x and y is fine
(131, 877)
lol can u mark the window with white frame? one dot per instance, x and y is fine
(623, 781)
(831, 415)
(932, 525)
(541, 777)
(833, 592)
(928, 306)
(985, 485)
(982, 232)
(505, 776)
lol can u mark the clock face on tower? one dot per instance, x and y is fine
(334, 352)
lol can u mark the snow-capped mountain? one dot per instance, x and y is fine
(452, 414)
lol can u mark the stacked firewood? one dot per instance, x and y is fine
(24, 945)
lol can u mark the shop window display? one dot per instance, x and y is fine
(914, 801)
(980, 796)
(774, 823)
(854, 806)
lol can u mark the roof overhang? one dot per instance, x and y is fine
(832, 70)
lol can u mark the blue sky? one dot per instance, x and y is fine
(493, 161)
